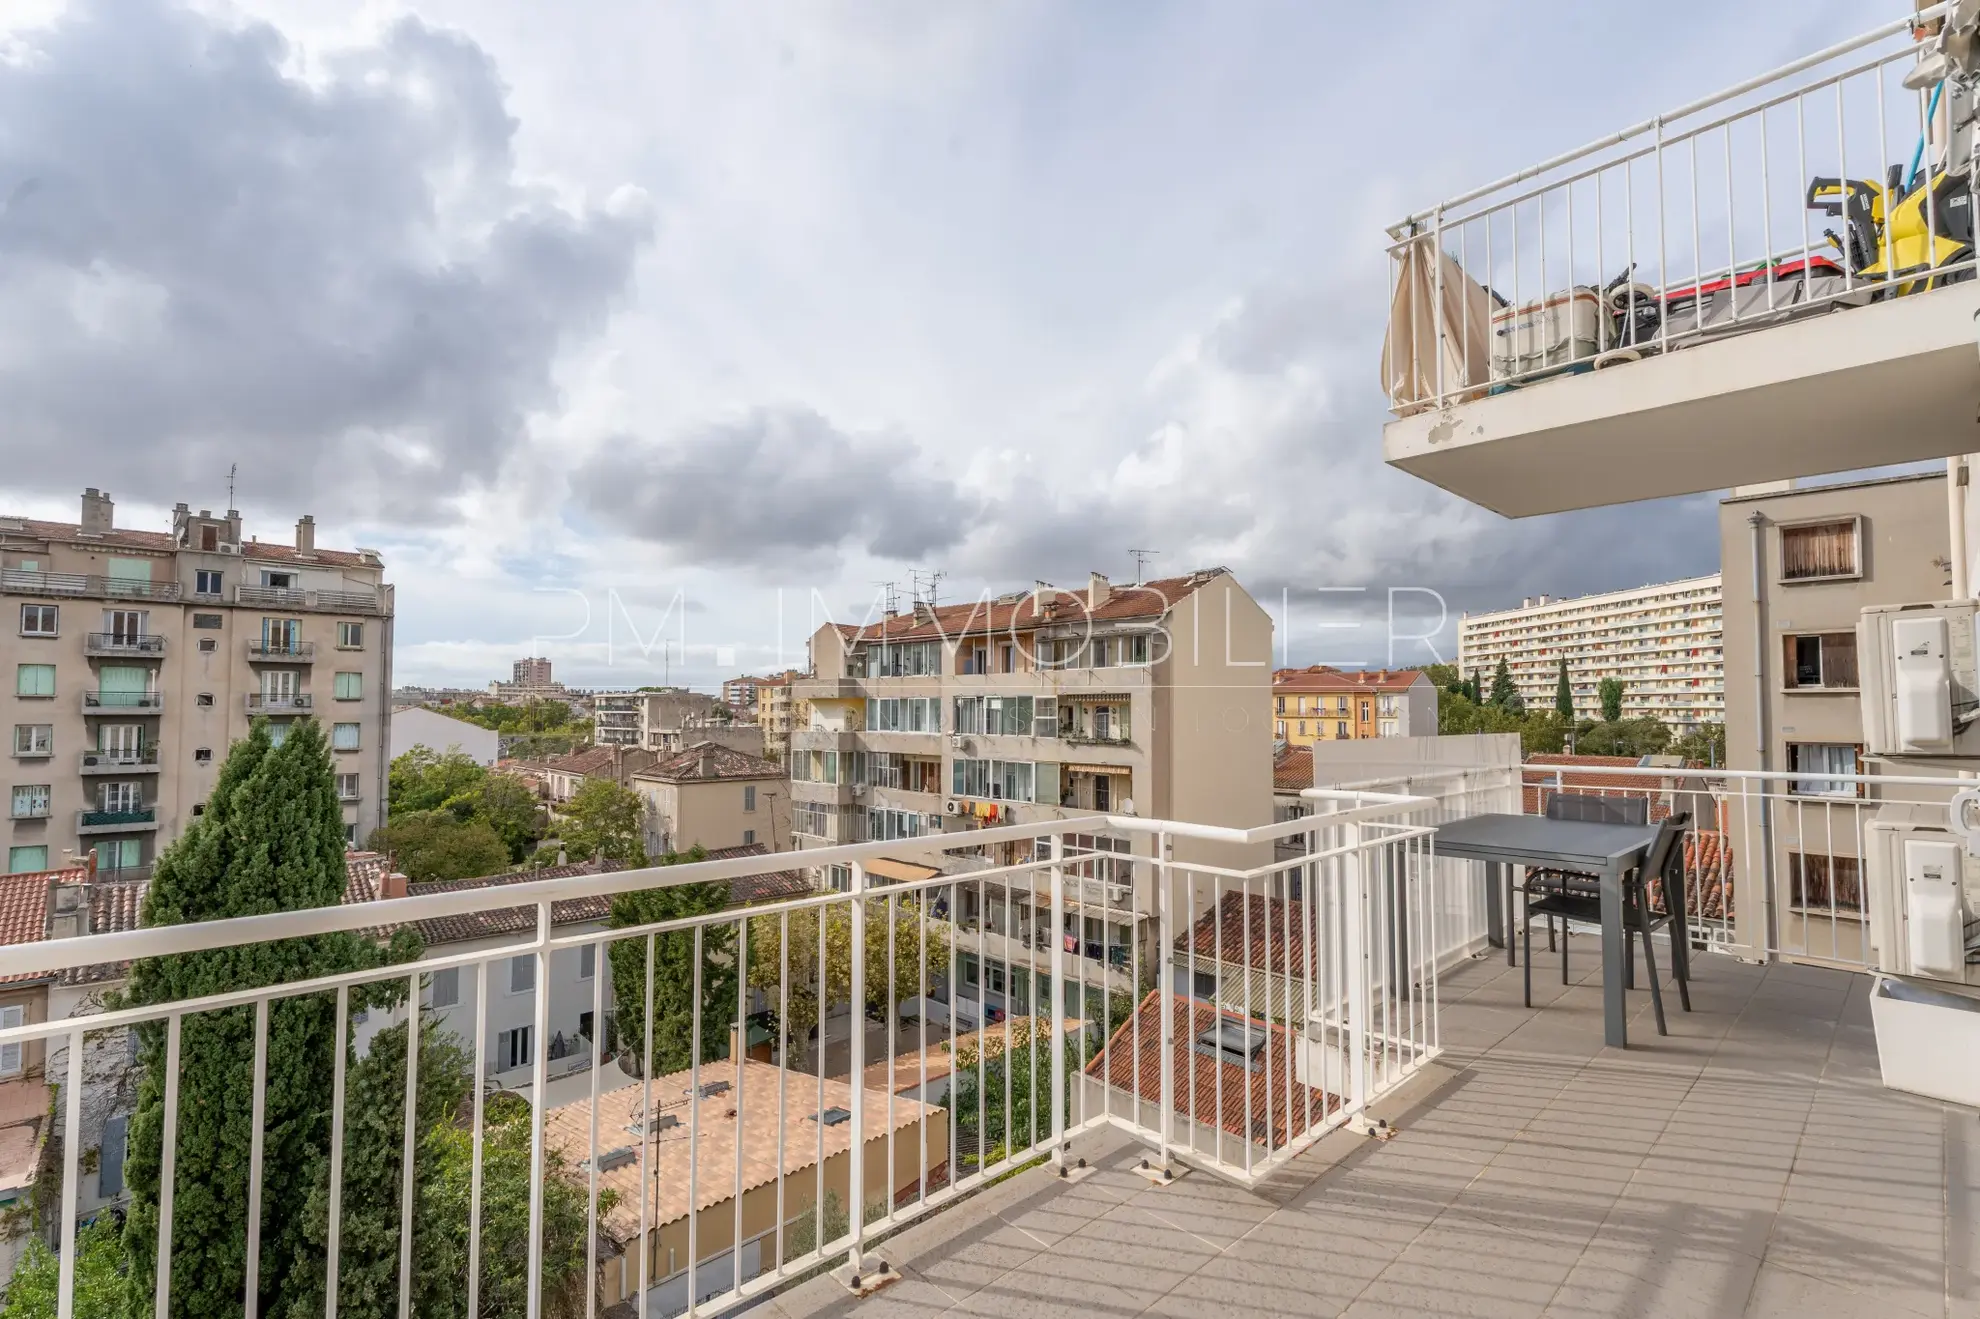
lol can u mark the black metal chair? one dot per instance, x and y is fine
(1574, 901)
(1591, 808)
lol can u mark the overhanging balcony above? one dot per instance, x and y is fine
(1775, 281)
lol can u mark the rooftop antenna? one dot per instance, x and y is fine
(231, 469)
(922, 586)
(1141, 558)
(893, 596)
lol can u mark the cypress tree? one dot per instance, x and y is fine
(1564, 695)
(1505, 696)
(271, 839)
(1611, 696)
(673, 973)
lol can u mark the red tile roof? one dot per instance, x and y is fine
(1292, 768)
(1266, 934)
(982, 617)
(1252, 1100)
(1324, 678)
(162, 542)
(721, 763)
(24, 910)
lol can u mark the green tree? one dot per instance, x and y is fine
(271, 839)
(801, 988)
(31, 1292)
(606, 821)
(1634, 738)
(1706, 745)
(1505, 695)
(433, 845)
(1015, 1090)
(1564, 695)
(673, 972)
(801, 1237)
(425, 780)
(1609, 692)
(508, 805)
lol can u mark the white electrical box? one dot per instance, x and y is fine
(1919, 679)
(1923, 891)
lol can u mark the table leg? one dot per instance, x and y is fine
(1615, 1028)
(1497, 875)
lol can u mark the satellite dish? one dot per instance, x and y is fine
(1127, 806)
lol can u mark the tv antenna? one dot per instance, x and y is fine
(232, 468)
(1141, 558)
(922, 586)
(892, 591)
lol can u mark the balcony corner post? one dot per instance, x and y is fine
(1165, 934)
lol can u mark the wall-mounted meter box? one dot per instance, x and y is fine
(1920, 682)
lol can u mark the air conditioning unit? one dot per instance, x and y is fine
(952, 807)
(1919, 679)
(859, 791)
(1923, 892)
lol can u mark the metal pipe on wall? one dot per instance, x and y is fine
(1757, 520)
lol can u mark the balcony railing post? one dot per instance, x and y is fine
(1355, 937)
(1055, 1004)
(1165, 985)
(856, 1156)
(540, 1056)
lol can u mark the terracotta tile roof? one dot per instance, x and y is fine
(1292, 768)
(1124, 602)
(1249, 1097)
(114, 907)
(364, 875)
(1257, 938)
(1324, 678)
(756, 1089)
(584, 763)
(721, 762)
(24, 910)
(162, 542)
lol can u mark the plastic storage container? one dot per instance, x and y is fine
(1928, 1040)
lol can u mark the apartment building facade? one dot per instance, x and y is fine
(779, 711)
(713, 796)
(138, 657)
(1665, 644)
(1150, 699)
(615, 718)
(1325, 704)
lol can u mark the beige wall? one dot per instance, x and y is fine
(34, 999)
(716, 814)
(1213, 743)
(1905, 541)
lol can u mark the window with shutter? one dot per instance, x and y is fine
(12, 1055)
(1820, 550)
(110, 1159)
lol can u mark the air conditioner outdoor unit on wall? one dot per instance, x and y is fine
(1919, 680)
(952, 807)
(1923, 892)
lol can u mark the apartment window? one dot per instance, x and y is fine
(1819, 551)
(811, 819)
(281, 635)
(749, 796)
(207, 620)
(1825, 660)
(1282, 706)
(34, 680)
(347, 787)
(39, 620)
(447, 987)
(512, 1049)
(12, 1058)
(588, 961)
(31, 801)
(350, 636)
(905, 714)
(1134, 648)
(1302, 728)
(278, 732)
(907, 659)
(522, 973)
(34, 739)
(27, 860)
(343, 737)
(1004, 716)
(349, 687)
(1818, 883)
(1279, 729)
(207, 645)
(749, 837)
(1340, 729)
(280, 581)
(350, 833)
(202, 755)
(1010, 780)
(1817, 758)
(204, 698)
(207, 580)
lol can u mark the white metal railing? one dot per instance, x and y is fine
(1691, 225)
(1343, 942)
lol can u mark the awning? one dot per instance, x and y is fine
(1097, 769)
(1096, 698)
(901, 872)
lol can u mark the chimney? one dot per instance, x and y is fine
(306, 534)
(391, 884)
(181, 523)
(67, 905)
(96, 509)
(1097, 590)
(707, 769)
(233, 526)
(924, 612)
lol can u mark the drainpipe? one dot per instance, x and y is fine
(1758, 522)
(1956, 524)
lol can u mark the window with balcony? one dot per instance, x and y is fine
(1826, 660)
(280, 581)
(349, 687)
(1825, 884)
(36, 680)
(31, 801)
(281, 636)
(811, 819)
(27, 860)
(1009, 780)
(207, 581)
(884, 824)
(904, 714)
(1809, 760)
(350, 636)
(1822, 551)
(34, 739)
(1001, 716)
(899, 659)
(40, 620)
(512, 1049)
(344, 737)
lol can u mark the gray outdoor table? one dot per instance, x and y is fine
(1608, 850)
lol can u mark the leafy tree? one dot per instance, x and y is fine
(1505, 695)
(606, 821)
(801, 1237)
(544, 716)
(31, 1292)
(1707, 745)
(1627, 737)
(271, 839)
(1610, 694)
(508, 805)
(673, 972)
(803, 990)
(1564, 695)
(1023, 1117)
(433, 845)
(425, 780)
(1541, 732)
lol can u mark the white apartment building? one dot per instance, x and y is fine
(1665, 643)
(138, 657)
(615, 718)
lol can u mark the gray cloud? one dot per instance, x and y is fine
(342, 284)
(773, 484)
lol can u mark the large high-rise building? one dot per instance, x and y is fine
(531, 672)
(1664, 643)
(137, 657)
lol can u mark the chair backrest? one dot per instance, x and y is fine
(1665, 860)
(1588, 808)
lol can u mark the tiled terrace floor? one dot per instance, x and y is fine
(1749, 1165)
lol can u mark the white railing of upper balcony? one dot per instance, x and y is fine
(1776, 865)
(1330, 1004)
(1704, 221)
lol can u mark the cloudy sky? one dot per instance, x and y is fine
(617, 322)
